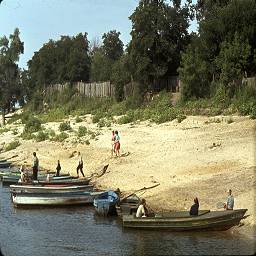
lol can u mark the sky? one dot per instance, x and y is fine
(42, 20)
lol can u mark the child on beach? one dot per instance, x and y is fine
(117, 144)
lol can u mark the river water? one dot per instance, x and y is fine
(79, 231)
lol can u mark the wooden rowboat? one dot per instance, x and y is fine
(105, 203)
(5, 164)
(9, 180)
(53, 199)
(182, 221)
(45, 189)
(128, 205)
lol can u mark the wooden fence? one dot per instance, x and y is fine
(102, 89)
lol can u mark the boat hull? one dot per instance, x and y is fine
(105, 203)
(5, 165)
(214, 221)
(18, 189)
(53, 200)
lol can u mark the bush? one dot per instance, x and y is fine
(78, 119)
(33, 124)
(60, 137)
(82, 131)
(15, 131)
(27, 136)
(104, 122)
(12, 145)
(65, 126)
(180, 118)
(4, 129)
(41, 136)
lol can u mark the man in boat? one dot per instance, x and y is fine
(142, 209)
(35, 166)
(80, 165)
(194, 208)
(230, 201)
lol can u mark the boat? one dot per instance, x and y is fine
(105, 203)
(53, 199)
(48, 189)
(9, 180)
(182, 221)
(128, 205)
(5, 164)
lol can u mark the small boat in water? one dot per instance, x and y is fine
(105, 203)
(128, 205)
(53, 199)
(49, 189)
(5, 164)
(182, 221)
(12, 180)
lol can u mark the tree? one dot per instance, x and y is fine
(10, 50)
(101, 66)
(159, 34)
(112, 45)
(65, 60)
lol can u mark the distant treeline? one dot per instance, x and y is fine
(208, 62)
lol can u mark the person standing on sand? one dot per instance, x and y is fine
(35, 166)
(113, 143)
(230, 201)
(58, 168)
(117, 144)
(80, 165)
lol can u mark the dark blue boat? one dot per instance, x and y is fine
(105, 203)
(5, 164)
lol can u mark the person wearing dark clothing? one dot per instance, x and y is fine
(58, 168)
(80, 165)
(35, 166)
(194, 208)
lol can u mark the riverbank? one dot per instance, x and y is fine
(200, 157)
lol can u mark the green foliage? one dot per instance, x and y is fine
(12, 145)
(112, 45)
(32, 124)
(104, 122)
(65, 126)
(4, 129)
(233, 58)
(159, 33)
(78, 119)
(82, 131)
(59, 61)
(194, 74)
(10, 87)
(15, 131)
(60, 137)
(41, 136)
(181, 117)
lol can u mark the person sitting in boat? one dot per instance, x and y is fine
(142, 209)
(194, 208)
(230, 201)
(24, 177)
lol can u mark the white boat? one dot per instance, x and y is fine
(49, 189)
(53, 199)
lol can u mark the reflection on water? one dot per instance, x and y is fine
(79, 231)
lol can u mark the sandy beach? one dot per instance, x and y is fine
(200, 157)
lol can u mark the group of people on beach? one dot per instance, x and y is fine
(24, 176)
(143, 210)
